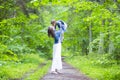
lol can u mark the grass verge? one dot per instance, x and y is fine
(96, 67)
(40, 72)
(16, 69)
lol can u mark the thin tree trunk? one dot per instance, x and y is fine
(111, 44)
(22, 5)
(111, 47)
(90, 38)
(101, 42)
(115, 0)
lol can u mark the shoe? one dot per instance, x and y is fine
(59, 72)
(53, 72)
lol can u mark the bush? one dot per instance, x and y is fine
(15, 70)
(96, 66)
(31, 58)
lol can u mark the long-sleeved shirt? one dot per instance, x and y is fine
(57, 38)
(62, 25)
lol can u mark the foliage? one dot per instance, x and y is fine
(96, 66)
(15, 70)
(39, 73)
(26, 32)
(93, 27)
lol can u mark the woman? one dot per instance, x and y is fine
(56, 34)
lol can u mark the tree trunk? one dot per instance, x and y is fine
(111, 47)
(101, 43)
(21, 3)
(115, 0)
(90, 38)
(111, 44)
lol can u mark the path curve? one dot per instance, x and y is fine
(67, 73)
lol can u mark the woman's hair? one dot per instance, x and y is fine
(51, 32)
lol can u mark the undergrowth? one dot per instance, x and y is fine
(16, 69)
(97, 67)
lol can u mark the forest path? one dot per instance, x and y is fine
(67, 73)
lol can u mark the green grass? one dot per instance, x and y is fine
(39, 73)
(96, 67)
(15, 70)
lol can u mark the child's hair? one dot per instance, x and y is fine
(51, 32)
(53, 21)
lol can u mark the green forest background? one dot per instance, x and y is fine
(91, 42)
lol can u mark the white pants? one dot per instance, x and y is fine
(56, 61)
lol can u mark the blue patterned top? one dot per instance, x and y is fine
(57, 38)
(62, 25)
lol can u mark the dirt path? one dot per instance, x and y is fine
(67, 73)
